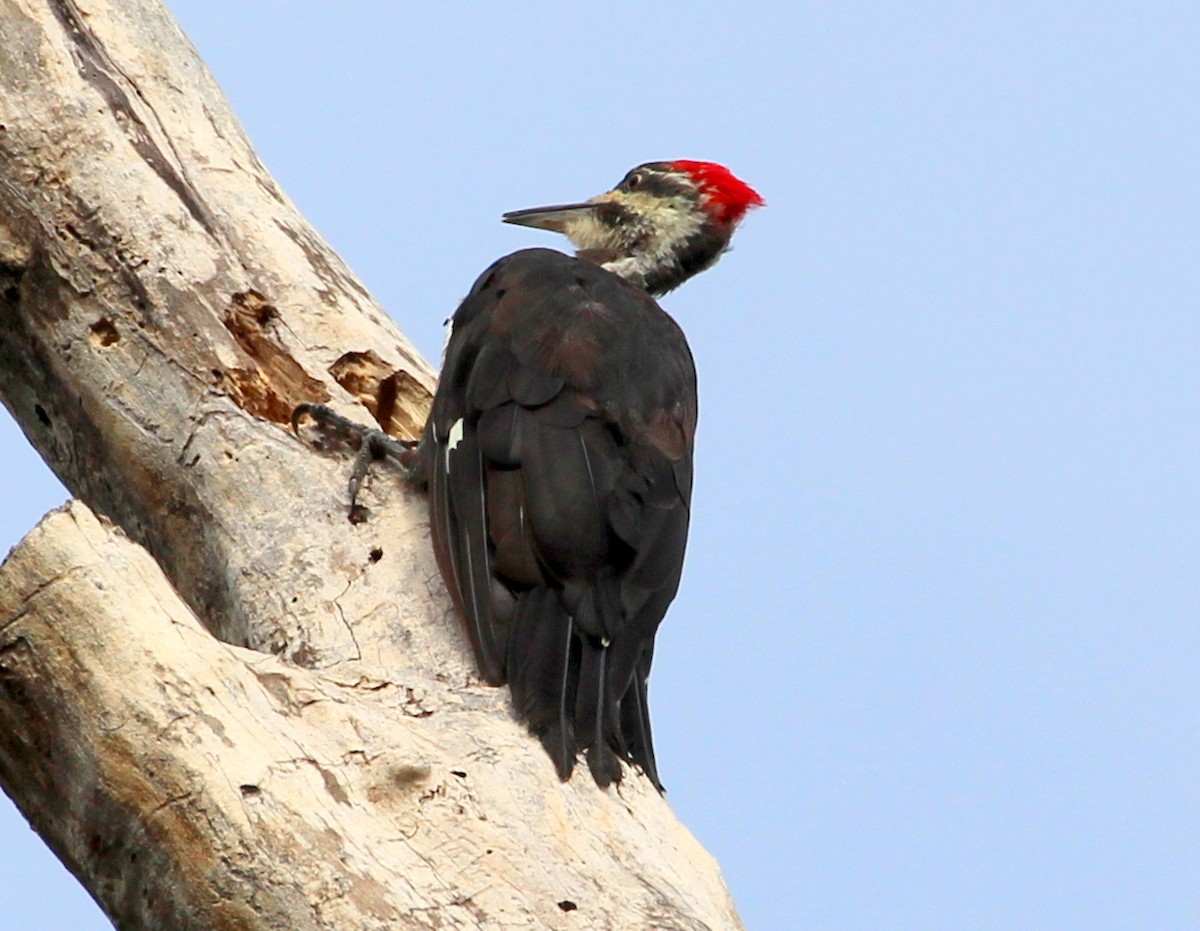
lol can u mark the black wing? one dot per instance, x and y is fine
(559, 461)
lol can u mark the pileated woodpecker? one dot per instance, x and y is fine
(558, 455)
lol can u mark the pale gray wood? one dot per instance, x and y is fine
(221, 703)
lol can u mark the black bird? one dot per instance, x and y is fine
(558, 456)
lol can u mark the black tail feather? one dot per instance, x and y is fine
(543, 672)
(636, 743)
(576, 693)
(595, 713)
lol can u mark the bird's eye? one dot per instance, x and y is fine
(633, 181)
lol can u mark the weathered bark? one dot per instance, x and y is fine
(162, 308)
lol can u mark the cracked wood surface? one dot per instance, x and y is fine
(221, 703)
(210, 786)
(164, 305)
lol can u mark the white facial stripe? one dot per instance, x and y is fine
(674, 220)
(648, 245)
(586, 232)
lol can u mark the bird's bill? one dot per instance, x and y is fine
(554, 219)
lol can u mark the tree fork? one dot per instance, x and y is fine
(162, 309)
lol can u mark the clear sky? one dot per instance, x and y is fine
(936, 659)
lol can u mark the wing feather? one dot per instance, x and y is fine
(563, 427)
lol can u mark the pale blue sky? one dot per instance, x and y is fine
(936, 659)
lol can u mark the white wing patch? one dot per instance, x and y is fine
(452, 441)
(447, 333)
(456, 435)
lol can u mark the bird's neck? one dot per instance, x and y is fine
(659, 262)
(653, 273)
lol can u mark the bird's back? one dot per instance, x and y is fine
(559, 460)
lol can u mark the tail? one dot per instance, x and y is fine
(578, 692)
(543, 673)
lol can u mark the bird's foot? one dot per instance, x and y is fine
(372, 443)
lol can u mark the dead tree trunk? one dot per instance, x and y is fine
(222, 704)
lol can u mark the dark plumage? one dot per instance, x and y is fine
(559, 457)
(559, 460)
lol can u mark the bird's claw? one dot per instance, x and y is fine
(372, 444)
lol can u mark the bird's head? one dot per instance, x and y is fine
(663, 223)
